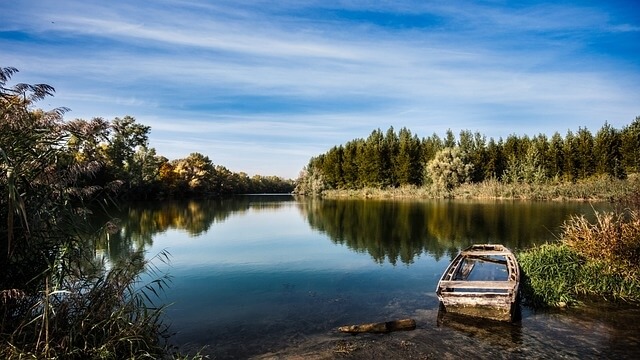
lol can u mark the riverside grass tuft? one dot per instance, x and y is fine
(550, 275)
(600, 259)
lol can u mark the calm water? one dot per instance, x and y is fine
(255, 274)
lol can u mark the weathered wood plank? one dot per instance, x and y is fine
(381, 327)
(485, 253)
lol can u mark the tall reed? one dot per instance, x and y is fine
(55, 301)
(614, 239)
(604, 188)
(106, 316)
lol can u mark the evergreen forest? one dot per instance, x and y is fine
(395, 159)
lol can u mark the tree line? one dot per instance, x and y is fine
(121, 149)
(393, 159)
(118, 153)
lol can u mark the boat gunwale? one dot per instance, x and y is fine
(497, 298)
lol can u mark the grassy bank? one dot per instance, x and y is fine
(600, 188)
(600, 259)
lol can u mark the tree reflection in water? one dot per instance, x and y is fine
(138, 223)
(396, 231)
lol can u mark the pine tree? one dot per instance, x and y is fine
(556, 156)
(608, 154)
(631, 146)
(389, 158)
(585, 144)
(572, 161)
(408, 166)
(495, 164)
(332, 167)
(370, 164)
(350, 163)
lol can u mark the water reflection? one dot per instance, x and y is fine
(501, 334)
(387, 230)
(398, 231)
(138, 223)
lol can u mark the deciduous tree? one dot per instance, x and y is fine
(449, 169)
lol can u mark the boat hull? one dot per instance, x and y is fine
(499, 308)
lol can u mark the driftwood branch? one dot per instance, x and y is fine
(382, 327)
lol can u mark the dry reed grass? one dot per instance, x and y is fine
(614, 238)
(598, 188)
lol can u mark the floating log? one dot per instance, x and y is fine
(381, 327)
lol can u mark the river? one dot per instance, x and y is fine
(274, 276)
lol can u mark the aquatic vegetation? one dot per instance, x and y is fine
(108, 315)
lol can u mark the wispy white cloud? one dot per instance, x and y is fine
(255, 78)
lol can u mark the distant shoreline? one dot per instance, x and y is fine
(601, 188)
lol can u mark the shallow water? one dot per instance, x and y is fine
(257, 275)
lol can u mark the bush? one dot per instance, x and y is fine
(614, 239)
(600, 259)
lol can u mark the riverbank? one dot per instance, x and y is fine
(585, 333)
(600, 188)
(599, 260)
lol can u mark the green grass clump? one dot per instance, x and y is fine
(601, 280)
(551, 275)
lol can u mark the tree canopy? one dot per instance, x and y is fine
(117, 151)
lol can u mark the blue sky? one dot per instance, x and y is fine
(262, 86)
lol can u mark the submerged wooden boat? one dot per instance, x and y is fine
(482, 281)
